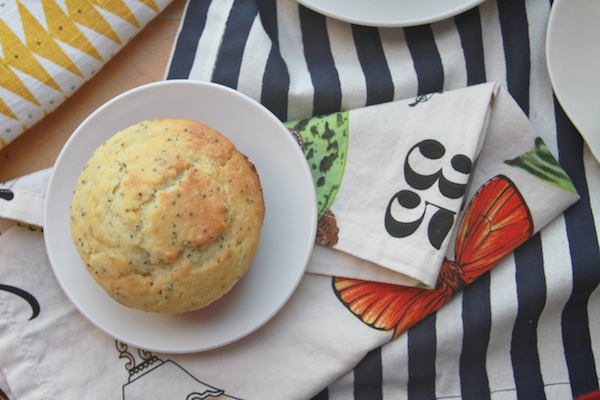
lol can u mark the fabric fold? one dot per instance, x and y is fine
(22, 199)
(392, 179)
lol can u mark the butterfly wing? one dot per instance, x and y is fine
(386, 306)
(496, 222)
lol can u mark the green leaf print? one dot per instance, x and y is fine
(325, 148)
(540, 163)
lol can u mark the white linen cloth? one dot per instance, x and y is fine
(388, 156)
(383, 140)
(24, 198)
(48, 350)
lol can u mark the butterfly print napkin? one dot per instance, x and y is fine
(392, 179)
(346, 304)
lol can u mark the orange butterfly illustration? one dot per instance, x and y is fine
(495, 223)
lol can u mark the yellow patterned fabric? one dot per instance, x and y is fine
(49, 48)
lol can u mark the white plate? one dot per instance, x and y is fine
(286, 240)
(390, 13)
(573, 56)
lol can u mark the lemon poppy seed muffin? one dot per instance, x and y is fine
(167, 215)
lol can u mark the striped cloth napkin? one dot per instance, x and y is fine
(48, 49)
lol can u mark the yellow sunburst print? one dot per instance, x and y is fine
(49, 48)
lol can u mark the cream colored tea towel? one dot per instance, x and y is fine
(392, 179)
(49, 350)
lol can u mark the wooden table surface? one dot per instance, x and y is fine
(142, 60)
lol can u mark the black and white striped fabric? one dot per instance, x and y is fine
(529, 328)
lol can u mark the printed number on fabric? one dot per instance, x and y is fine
(403, 221)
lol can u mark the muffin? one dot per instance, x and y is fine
(166, 215)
